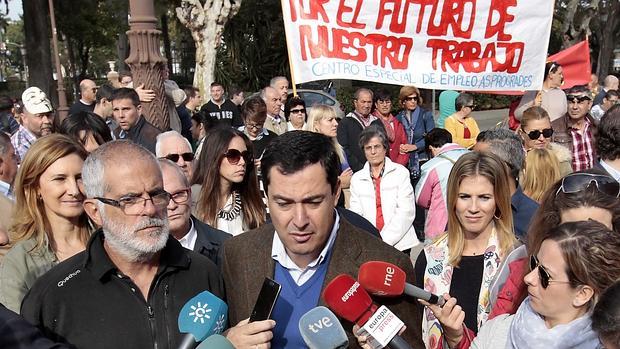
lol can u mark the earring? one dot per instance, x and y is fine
(496, 217)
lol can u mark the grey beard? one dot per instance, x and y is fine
(124, 242)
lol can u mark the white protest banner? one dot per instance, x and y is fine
(442, 44)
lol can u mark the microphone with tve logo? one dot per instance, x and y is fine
(200, 317)
(320, 329)
(386, 279)
(216, 341)
(348, 299)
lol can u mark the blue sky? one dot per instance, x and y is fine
(15, 9)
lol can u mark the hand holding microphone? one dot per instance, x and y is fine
(320, 329)
(387, 279)
(347, 298)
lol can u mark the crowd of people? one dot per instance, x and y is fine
(108, 225)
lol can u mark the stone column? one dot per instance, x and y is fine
(146, 61)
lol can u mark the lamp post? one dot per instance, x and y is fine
(63, 109)
(146, 61)
(22, 50)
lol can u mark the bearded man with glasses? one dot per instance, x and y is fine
(576, 130)
(133, 278)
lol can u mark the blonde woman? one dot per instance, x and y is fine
(322, 119)
(541, 171)
(49, 225)
(466, 259)
(536, 133)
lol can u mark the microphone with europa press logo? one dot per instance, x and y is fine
(386, 279)
(320, 329)
(216, 341)
(348, 299)
(202, 316)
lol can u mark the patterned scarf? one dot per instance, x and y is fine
(528, 330)
(387, 124)
(414, 161)
(437, 279)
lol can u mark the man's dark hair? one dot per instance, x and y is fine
(579, 89)
(382, 95)
(233, 91)
(190, 92)
(122, 74)
(612, 93)
(86, 121)
(215, 83)
(437, 138)
(608, 136)
(126, 93)
(207, 121)
(463, 99)
(104, 91)
(295, 150)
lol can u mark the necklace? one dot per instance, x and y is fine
(232, 212)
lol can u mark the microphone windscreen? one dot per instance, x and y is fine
(382, 278)
(347, 298)
(321, 329)
(203, 315)
(216, 341)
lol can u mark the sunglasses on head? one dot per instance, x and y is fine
(577, 182)
(175, 157)
(543, 274)
(572, 98)
(535, 134)
(233, 156)
(414, 98)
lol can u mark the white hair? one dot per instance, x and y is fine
(111, 152)
(168, 134)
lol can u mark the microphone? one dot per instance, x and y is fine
(349, 300)
(200, 317)
(216, 341)
(386, 279)
(320, 329)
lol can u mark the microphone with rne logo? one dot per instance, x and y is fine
(320, 329)
(386, 279)
(200, 317)
(348, 299)
(216, 341)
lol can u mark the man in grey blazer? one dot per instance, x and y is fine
(307, 240)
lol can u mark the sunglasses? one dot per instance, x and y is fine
(535, 134)
(175, 157)
(408, 99)
(233, 156)
(572, 98)
(298, 111)
(577, 182)
(545, 278)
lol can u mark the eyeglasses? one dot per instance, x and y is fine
(233, 156)
(472, 106)
(181, 196)
(579, 99)
(175, 157)
(545, 278)
(134, 205)
(576, 182)
(535, 134)
(254, 126)
(385, 101)
(411, 98)
(298, 111)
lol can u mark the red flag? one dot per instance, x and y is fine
(575, 62)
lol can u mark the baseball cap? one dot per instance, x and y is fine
(35, 101)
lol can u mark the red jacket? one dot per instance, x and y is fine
(400, 137)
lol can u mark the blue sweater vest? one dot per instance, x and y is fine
(294, 301)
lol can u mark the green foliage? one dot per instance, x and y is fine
(253, 48)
